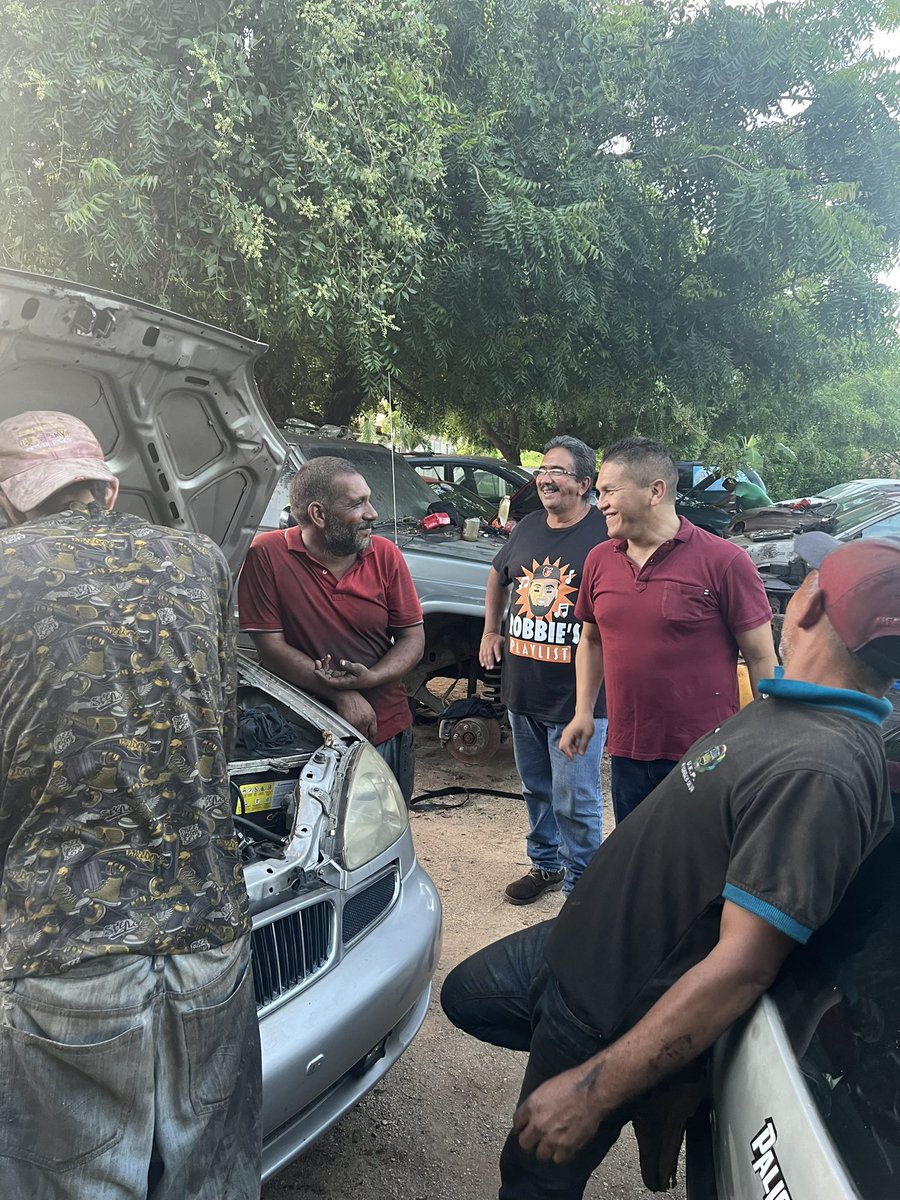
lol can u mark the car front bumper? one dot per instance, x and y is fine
(326, 1048)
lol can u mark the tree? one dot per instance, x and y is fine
(654, 218)
(265, 165)
(534, 216)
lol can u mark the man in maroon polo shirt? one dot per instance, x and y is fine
(665, 607)
(333, 609)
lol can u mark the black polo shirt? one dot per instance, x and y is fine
(774, 810)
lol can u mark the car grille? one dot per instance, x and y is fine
(366, 906)
(291, 950)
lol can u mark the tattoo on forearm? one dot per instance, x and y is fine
(587, 1083)
(673, 1054)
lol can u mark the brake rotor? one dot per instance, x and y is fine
(473, 739)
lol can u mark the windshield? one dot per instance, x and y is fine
(842, 490)
(839, 998)
(845, 516)
(467, 503)
(383, 471)
(386, 474)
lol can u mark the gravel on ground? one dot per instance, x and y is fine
(433, 1128)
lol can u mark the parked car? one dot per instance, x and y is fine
(466, 503)
(842, 491)
(806, 1088)
(802, 516)
(871, 513)
(778, 520)
(346, 924)
(490, 478)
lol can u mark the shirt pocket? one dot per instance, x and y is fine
(687, 602)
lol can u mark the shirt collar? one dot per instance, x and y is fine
(845, 700)
(91, 510)
(683, 533)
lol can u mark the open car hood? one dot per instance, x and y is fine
(172, 401)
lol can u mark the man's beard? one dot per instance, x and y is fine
(342, 540)
(542, 610)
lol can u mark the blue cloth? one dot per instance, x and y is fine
(633, 779)
(507, 995)
(133, 1075)
(855, 704)
(562, 796)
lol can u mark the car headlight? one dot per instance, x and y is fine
(373, 814)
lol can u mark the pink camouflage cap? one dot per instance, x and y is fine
(41, 452)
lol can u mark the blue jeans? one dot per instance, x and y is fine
(399, 752)
(131, 1076)
(633, 780)
(508, 996)
(563, 798)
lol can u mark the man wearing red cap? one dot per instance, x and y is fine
(129, 1046)
(688, 910)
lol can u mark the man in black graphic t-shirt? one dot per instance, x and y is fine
(542, 562)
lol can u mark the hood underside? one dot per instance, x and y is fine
(172, 401)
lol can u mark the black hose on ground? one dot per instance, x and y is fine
(456, 790)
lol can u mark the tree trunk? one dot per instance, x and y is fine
(506, 438)
(347, 395)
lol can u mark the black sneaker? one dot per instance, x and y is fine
(527, 889)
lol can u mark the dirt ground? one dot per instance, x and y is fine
(433, 1128)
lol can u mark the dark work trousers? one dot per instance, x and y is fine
(399, 752)
(508, 996)
(633, 780)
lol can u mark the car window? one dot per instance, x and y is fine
(386, 475)
(467, 503)
(861, 509)
(492, 486)
(888, 527)
(279, 500)
(839, 997)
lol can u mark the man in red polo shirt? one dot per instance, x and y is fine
(333, 609)
(665, 607)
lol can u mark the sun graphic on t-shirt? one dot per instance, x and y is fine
(545, 589)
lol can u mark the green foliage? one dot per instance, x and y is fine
(656, 219)
(268, 166)
(536, 216)
(849, 429)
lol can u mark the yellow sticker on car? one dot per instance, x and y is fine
(257, 796)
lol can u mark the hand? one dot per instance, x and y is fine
(356, 711)
(343, 676)
(576, 735)
(559, 1117)
(491, 650)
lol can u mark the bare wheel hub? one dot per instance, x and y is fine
(471, 739)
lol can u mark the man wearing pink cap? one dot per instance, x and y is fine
(687, 911)
(129, 1046)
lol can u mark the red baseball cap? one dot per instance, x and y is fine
(41, 452)
(860, 585)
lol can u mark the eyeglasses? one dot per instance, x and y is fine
(554, 473)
